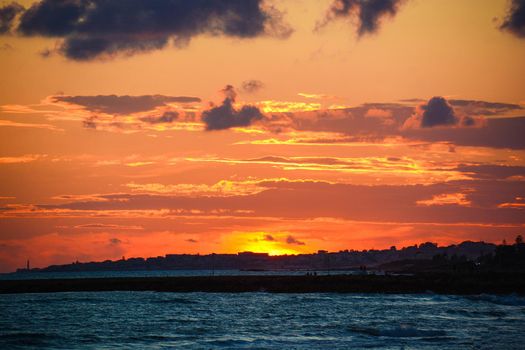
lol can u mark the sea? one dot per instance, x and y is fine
(155, 320)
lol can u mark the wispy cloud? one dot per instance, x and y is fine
(447, 199)
(10, 123)
(108, 226)
(21, 159)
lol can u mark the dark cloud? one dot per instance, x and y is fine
(468, 121)
(484, 107)
(252, 86)
(476, 107)
(229, 92)
(496, 133)
(45, 53)
(226, 116)
(437, 112)
(293, 240)
(515, 20)
(90, 123)
(492, 172)
(115, 241)
(472, 108)
(368, 13)
(269, 238)
(8, 14)
(165, 118)
(94, 28)
(113, 104)
(191, 240)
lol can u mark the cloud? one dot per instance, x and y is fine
(8, 14)
(90, 123)
(369, 13)
(191, 240)
(377, 121)
(10, 123)
(45, 53)
(495, 133)
(21, 159)
(252, 86)
(514, 22)
(473, 107)
(492, 171)
(315, 96)
(108, 226)
(113, 104)
(438, 112)
(446, 199)
(286, 199)
(222, 188)
(293, 240)
(376, 166)
(115, 241)
(272, 106)
(462, 122)
(269, 238)
(226, 116)
(98, 28)
(166, 117)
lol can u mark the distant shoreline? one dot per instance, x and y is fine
(440, 283)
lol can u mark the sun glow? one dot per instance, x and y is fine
(264, 242)
(267, 247)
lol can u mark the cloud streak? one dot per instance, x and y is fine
(125, 104)
(473, 201)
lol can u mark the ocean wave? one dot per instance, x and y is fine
(476, 313)
(175, 301)
(398, 332)
(507, 300)
(28, 339)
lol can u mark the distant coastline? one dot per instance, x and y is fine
(457, 255)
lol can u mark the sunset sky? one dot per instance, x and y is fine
(144, 128)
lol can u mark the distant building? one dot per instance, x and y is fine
(253, 255)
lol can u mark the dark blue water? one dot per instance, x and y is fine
(149, 320)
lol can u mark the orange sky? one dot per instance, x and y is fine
(318, 129)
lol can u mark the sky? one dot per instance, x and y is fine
(144, 128)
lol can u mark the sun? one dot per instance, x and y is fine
(261, 242)
(268, 247)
